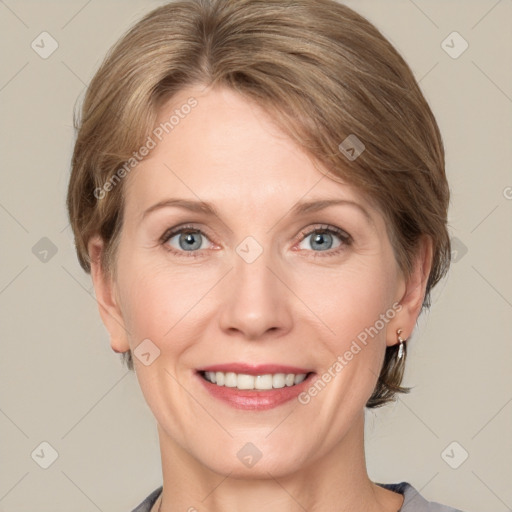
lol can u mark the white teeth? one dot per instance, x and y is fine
(230, 380)
(278, 380)
(299, 378)
(245, 381)
(263, 382)
(258, 382)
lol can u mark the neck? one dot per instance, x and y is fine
(336, 481)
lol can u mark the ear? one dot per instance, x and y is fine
(413, 294)
(108, 305)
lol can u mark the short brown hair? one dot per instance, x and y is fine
(319, 69)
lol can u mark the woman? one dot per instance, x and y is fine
(258, 191)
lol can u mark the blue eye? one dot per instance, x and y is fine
(324, 239)
(187, 239)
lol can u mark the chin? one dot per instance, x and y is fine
(254, 459)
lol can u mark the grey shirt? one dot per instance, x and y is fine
(413, 501)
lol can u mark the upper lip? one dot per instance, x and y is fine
(253, 369)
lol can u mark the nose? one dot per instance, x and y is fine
(256, 302)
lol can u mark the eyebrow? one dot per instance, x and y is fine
(314, 206)
(300, 208)
(187, 204)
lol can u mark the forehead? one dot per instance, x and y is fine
(226, 149)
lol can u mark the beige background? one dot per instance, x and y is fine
(62, 384)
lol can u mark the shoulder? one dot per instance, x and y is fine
(414, 501)
(146, 505)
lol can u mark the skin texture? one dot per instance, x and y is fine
(287, 307)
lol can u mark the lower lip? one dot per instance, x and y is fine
(252, 399)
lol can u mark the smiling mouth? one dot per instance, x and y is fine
(264, 382)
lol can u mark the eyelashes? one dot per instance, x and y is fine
(192, 236)
(321, 231)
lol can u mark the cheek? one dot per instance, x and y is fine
(356, 306)
(162, 301)
(351, 298)
(166, 301)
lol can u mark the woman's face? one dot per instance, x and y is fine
(263, 286)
